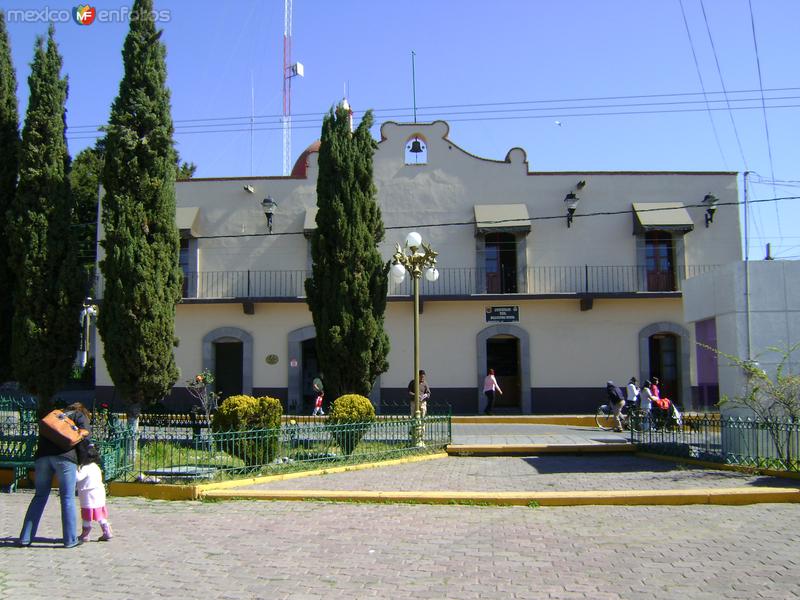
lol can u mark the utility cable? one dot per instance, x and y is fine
(764, 110)
(702, 85)
(515, 220)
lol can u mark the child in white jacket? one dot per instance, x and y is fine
(92, 494)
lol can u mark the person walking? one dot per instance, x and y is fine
(424, 394)
(632, 392)
(490, 387)
(616, 401)
(646, 404)
(319, 395)
(92, 495)
(52, 460)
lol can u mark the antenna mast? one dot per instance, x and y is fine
(290, 70)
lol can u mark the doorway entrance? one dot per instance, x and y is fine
(228, 359)
(665, 364)
(503, 355)
(310, 370)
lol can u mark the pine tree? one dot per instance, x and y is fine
(142, 277)
(45, 328)
(9, 166)
(347, 291)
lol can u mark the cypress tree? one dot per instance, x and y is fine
(45, 328)
(142, 277)
(9, 166)
(347, 291)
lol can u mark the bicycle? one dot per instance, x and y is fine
(631, 417)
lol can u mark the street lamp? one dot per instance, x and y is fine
(88, 313)
(269, 205)
(413, 257)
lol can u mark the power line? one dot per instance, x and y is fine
(722, 83)
(514, 220)
(763, 108)
(405, 111)
(561, 114)
(702, 85)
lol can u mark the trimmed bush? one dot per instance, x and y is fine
(245, 413)
(350, 418)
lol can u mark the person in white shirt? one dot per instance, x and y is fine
(489, 388)
(92, 494)
(632, 392)
(645, 402)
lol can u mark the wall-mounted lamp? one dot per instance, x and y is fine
(269, 205)
(710, 201)
(249, 189)
(571, 200)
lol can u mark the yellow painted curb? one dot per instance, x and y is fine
(164, 491)
(154, 491)
(574, 420)
(719, 496)
(234, 483)
(532, 449)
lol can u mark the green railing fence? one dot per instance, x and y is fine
(773, 444)
(169, 454)
(182, 448)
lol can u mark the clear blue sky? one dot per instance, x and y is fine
(609, 85)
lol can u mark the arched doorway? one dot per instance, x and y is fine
(228, 354)
(664, 353)
(506, 349)
(303, 366)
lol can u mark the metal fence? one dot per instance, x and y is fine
(181, 452)
(773, 444)
(170, 454)
(453, 281)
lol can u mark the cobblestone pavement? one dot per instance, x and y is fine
(509, 433)
(305, 550)
(528, 474)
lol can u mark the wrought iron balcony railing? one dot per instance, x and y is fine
(453, 282)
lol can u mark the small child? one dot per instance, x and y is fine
(92, 494)
(318, 406)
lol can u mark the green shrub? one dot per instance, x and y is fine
(349, 419)
(245, 413)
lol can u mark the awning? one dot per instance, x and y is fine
(502, 218)
(310, 222)
(661, 216)
(186, 219)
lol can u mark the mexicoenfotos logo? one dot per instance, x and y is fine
(84, 14)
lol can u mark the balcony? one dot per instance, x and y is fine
(455, 283)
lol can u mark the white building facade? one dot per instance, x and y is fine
(557, 308)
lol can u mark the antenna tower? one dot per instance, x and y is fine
(290, 70)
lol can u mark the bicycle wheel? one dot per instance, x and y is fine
(604, 417)
(634, 420)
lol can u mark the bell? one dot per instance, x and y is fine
(416, 147)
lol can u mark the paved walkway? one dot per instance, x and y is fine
(314, 550)
(536, 473)
(309, 550)
(515, 434)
